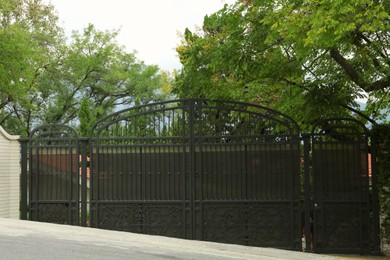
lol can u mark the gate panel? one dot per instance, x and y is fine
(140, 171)
(54, 175)
(341, 209)
(198, 169)
(246, 175)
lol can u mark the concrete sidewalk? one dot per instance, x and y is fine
(35, 240)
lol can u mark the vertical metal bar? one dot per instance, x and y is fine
(74, 208)
(375, 206)
(122, 171)
(106, 192)
(295, 157)
(29, 178)
(111, 150)
(246, 176)
(165, 156)
(219, 170)
(118, 168)
(56, 185)
(49, 173)
(235, 163)
(280, 159)
(74, 175)
(141, 167)
(255, 177)
(83, 205)
(229, 170)
(158, 172)
(124, 162)
(262, 170)
(90, 193)
(23, 178)
(68, 170)
(95, 189)
(183, 170)
(306, 168)
(37, 186)
(192, 164)
(115, 169)
(199, 182)
(363, 193)
(268, 173)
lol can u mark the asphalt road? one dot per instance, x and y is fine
(34, 240)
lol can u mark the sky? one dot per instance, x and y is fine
(149, 27)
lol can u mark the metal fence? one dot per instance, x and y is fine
(207, 170)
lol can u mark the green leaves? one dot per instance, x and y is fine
(46, 78)
(95, 67)
(315, 55)
(28, 32)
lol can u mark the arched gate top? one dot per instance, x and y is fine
(53, 131)
(218, 117)
(340, 128)
(54, 135)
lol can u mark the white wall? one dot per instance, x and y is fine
(9, 175)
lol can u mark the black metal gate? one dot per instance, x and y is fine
(208, 170)
(199, 169)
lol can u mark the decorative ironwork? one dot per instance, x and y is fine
(345, 229)
(148, 218)
(208, 170)
(254, 224)
(57, 212)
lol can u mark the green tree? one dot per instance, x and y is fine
(28, 36)
(86, 117)
(44, 77)
(95, 67)
(305, 58)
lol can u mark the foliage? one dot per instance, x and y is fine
(28, 34)
(381, 133)
(304, 58)
(86, 117)
(95, 67)
(45, 77)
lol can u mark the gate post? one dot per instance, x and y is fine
(83, 142)
(306, 168)
(375, 199)
(23, 178)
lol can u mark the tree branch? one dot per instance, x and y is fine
(351, 72)
(354, 75)
(378, 85)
